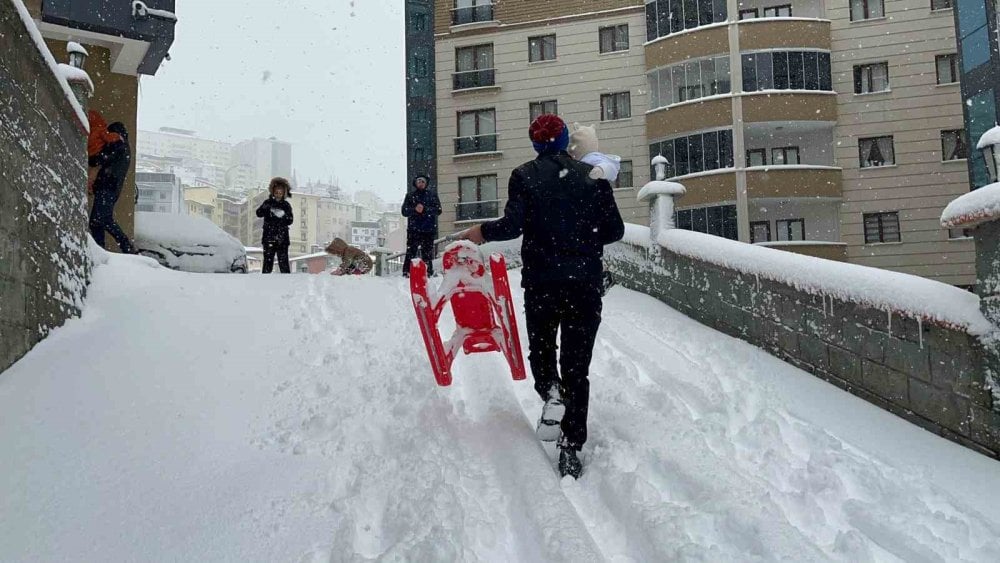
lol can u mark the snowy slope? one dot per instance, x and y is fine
(294, 418)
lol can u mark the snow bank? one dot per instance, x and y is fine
(973, 208)
(36, 37)
(188, 243)
(911, 296)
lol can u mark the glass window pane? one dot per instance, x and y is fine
(676, 16)
(720, 9)
(726, 149)
(825, 78)
(464, 59)
(699, 220)
(667, 150)
(681, 156)
(466, 124)
(651, 32)
(684, 220)
(810, 65)
(666, 92)
(696, 156)
(976, 48)
(710, 142)
(714, 219)
(722, 75)
(693, 73)
(765, 72)
(730, 229)
(690, 14)
(749, 73)
(796, 71)
(654, 89)
(708, 82)
(780, 70)
(467, 190)
(488, 188)
(679, 83)
(663, 17)
(706, 12)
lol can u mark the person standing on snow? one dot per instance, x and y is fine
(421, 209)
(277, 214)
(109, 164)
(566, 217)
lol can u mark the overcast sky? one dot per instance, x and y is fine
(326, 76)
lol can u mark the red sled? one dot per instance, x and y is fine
(483, 308)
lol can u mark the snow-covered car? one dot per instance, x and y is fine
(188, 244)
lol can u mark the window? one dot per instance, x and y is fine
(778, 11)
(749, 14)
(689, 80)
(760, 231)
(785, 70)
(790, 229)
(477, 198)
(785, 156)
(756, 157)
(625, 177)
(953, 145)
(616, 106)
(614, 38)
(713, 150)
(876, 151)
(941, 4)
(419, 66)
(719, 221)
(472, 11)
(539, 108)
(542, 48)
(474, 67)
(959, 234)
(881, 227)
(867, 9)
(947, 71)
(418, 22)
(664, 17)
(871, 78)
(982, 115)
(476, 132)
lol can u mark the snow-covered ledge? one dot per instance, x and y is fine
(660, 194)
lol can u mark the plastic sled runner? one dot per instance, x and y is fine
(483, 308)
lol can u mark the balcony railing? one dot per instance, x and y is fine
(473, 14)
(476, 144)
(477, 210)
(474, 79)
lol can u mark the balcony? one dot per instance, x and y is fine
(477, 210)
(476, 144)
(473, 79)
(472, 15)
(784, 33)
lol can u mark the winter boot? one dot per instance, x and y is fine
(549, 425)
(569, 463)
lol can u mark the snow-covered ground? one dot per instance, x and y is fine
(294, 418)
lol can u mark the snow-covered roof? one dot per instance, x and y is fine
(36, 37)
(660, 187)
(973, 208)
(991, 137)
(896, 293)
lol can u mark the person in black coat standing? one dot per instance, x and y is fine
(113, 164)
(277, 215)
(421, 209)
(566, 218)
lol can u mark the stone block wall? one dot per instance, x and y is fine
(930, 375)
(44, 260)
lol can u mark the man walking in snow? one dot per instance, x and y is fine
(109, 164)
(421, 209)
(566, 218)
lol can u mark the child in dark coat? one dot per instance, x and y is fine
(277, 215)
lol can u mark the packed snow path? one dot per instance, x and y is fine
(294, 418)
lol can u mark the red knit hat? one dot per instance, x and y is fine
(549, 132)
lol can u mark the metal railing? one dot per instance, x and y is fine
(476, 210)
(472, 14)
(387, 264)
(475, 144)
(473, 79)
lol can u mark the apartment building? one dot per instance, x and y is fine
(831, 129)
(499, 66)
(159, 193)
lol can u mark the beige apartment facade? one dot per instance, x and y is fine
(494, 75)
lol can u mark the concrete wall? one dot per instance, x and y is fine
(44, 264)
(930, 375)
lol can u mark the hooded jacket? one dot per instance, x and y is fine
(352, 260)
(425, 222)
(566, 218)
(277, 215)
(114, 160)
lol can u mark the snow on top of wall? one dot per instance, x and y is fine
(973, 208)
(903, 294)
(181, 230)
(991, 137)
(660, 187)
(36, 37)
(637, 235)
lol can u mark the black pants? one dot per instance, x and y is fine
(282, 251)
(419, 245)
(574, 310)
(102, 218)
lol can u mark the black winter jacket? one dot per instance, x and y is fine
(114, 161)
(275, 227)
(566, 219)
(425, 222)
